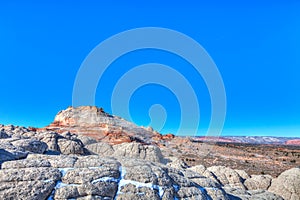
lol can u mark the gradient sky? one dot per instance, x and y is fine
(255, 45)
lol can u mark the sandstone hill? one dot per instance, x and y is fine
(62, 161)
(94, 122)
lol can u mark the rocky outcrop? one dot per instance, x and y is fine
(82, 116)
(98, 177)
(121, 161)
(287, 184)
(94, 177)
(16, 131)
(94, 122)
(18, 143)
(91, 122)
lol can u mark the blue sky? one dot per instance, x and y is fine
(256, 46)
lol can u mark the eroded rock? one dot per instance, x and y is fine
(100, 148)
(137, 150)
(67, 146)
(227, 176)
(287, 184)
(10, 152)
(31, 145)
(258, 182)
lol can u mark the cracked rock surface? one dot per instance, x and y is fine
(45, 164)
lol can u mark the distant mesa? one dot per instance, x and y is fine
(268, 140)
(293, 142)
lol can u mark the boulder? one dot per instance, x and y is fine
(31, 145)
(10, 152)
(67, 146)
(287, 184)
(227, 176)
(50, 138)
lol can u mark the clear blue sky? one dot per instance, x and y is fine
(256, 46)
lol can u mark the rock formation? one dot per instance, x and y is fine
(61, 161)
(94, 122)
(287, 184)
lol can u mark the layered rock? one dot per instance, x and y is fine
(97, 177)
(121, 161)
(122, 171)
(94, 122)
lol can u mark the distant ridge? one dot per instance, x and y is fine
(252, 140)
